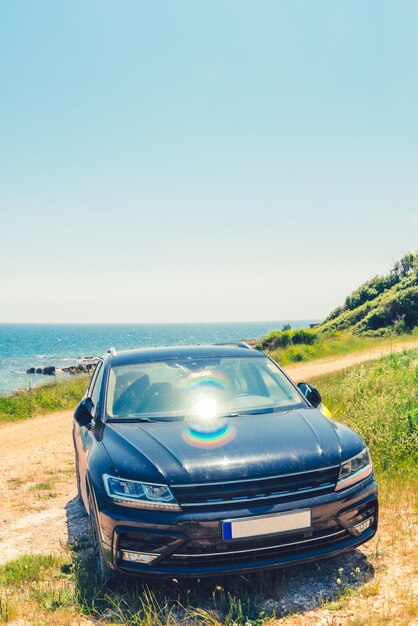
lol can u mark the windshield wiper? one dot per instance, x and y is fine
(134, 418)
(143, 418)
(240, 413)
(268, 409)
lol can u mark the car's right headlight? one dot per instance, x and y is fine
(354, 470)
(140, 495)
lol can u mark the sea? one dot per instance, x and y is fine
(38, 345)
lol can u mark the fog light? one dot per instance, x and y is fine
(360, 528)
(138, 557)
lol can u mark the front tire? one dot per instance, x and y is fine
(78, 479)
(105, 574)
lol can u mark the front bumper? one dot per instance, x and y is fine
(191, 545)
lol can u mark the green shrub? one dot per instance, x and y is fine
(282, 340)
(400, 327)
(279, 339)
(303, 336)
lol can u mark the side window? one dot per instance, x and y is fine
(93, 378)
(95, 390)
(275, 387)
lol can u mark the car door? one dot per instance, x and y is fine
(84, 435)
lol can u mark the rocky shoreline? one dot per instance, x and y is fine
(86, 366)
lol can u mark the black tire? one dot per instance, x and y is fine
(105, 575)
(78, 479)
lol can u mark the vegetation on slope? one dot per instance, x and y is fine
(382, 305)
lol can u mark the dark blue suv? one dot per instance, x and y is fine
(196, 461)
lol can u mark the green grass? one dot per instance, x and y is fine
(27, 569)
(337, 345)
(54, 396)
(57, 590)
(379, 400)
(229, 601)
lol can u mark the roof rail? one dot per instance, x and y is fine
(238, 344)
(111, 351)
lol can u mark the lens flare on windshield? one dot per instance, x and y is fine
(204, 408)
(204, 427)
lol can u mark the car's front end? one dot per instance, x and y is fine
(197, 539)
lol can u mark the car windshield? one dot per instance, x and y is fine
(202, 388)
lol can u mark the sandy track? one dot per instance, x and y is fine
(305, 371)
(37, 471)
(38, 479)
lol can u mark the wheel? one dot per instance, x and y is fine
(78, 479)
(105, 575)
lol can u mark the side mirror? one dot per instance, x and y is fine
(311, 393)
(83, 414)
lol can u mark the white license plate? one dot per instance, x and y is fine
(266, 524)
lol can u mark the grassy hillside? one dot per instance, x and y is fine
(384, 307)
(384, 304)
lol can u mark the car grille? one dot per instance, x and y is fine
(269, 489)
(288, 546)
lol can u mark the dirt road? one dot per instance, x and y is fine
(305, 371)
(38, 479)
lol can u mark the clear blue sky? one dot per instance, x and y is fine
(203, 160)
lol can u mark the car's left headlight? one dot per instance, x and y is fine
(140, 495)
(354, 470)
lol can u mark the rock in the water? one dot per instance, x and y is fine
(50, 370)
(81, 368)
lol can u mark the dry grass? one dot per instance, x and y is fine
(24, 495)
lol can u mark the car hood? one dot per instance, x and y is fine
(251, 445)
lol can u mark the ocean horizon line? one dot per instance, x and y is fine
(246, 321)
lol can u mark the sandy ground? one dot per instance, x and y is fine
(39, 511)
(38, 479)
